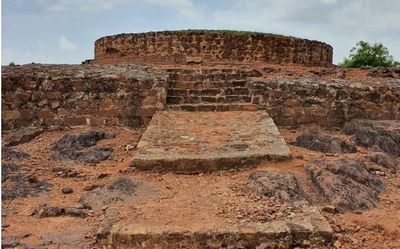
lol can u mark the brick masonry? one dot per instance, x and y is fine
(128, 95)
(184, 46)
(290, 101)
(328, 103)
(52, 95)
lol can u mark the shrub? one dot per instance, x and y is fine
(366, 54)
(12, 64)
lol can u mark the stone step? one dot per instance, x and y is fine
(193, 77)
(212, 73)
(214, 107)
(207, 141)
(206, 84)
(208, 99)
(201, 76)
(208, 91)
(205, 70)
(309, 229)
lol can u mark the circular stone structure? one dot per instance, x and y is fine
(170, 47)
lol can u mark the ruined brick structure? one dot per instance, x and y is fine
(53, 95)
(232, 76)
(129, 95)
(204, 103)
(210, 46)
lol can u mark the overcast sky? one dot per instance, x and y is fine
(64, 31)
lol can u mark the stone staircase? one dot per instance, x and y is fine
(210, 90)
(191, 137)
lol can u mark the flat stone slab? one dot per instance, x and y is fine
(309, 228)
(194, 142)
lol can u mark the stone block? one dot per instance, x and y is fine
(106, 104)
(53, 95)
(10, 115)
(97, 121)
(45, 114)
(210, 148)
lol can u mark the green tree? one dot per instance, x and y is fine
(366, 54)
(12, 64)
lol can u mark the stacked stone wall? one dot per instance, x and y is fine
(41, 95)
(184, 46)
(329, 103)
(128, 95)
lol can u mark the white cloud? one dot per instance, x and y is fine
(339, 22)
(84, 5)
(329, 1)
(65, 44)
(184, 7)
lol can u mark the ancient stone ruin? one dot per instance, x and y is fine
(201, 139)
(209, 46)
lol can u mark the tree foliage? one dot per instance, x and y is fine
(366, 54)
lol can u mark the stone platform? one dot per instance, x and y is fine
(309, 227)
(194, 142)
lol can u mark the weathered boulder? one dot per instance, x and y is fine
(122, 189)
(383, 159)
(275, 183)
(10, 154)
(382, 134)
(345, 183)
(22, 136)
(92, 156)
(55, 211)
(83, 140)
(6, 169)
(70, 147)
(324, 143)
(18, 184)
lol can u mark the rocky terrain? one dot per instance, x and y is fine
(52, 202)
